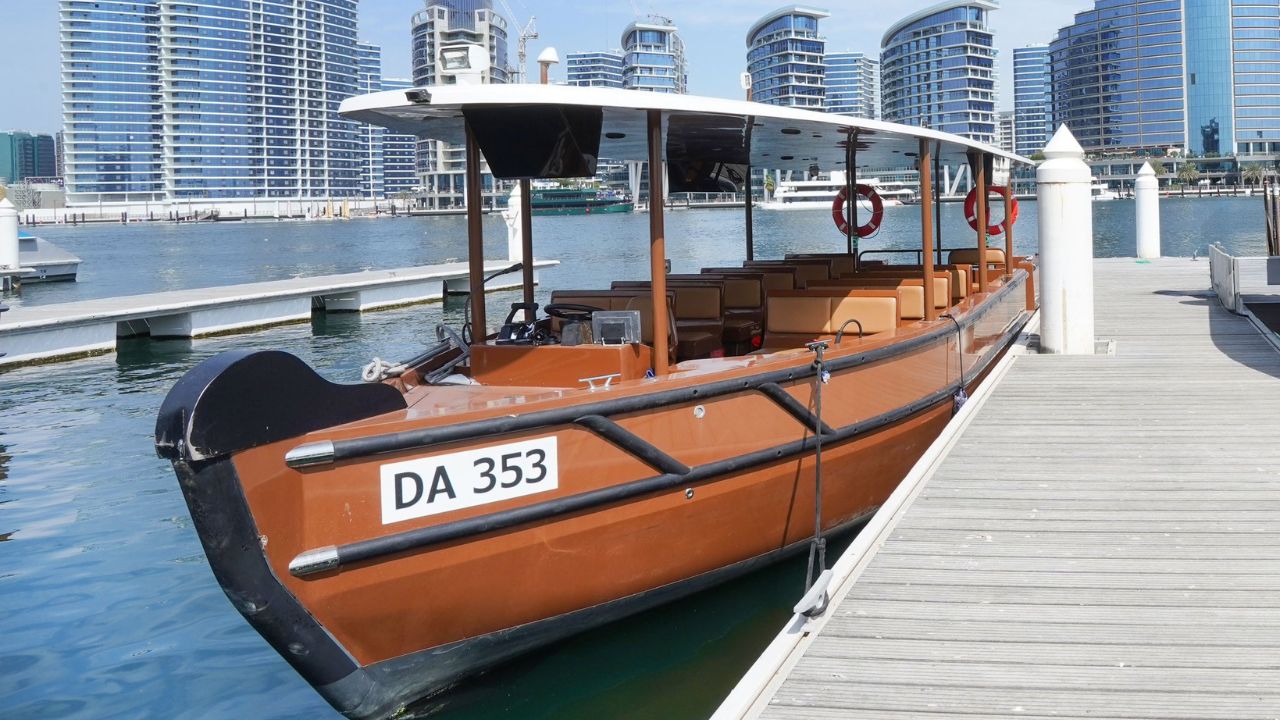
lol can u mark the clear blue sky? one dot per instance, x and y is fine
(714, 33)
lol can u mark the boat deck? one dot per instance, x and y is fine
(1101, 538)
(64, 330)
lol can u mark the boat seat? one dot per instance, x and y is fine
(622, 299)
(743, 313)
(682, 345)
(796, 317)
(806, 270)
(841, 263)
(699, 314)
(969, 256)
(959, 283)
(910, 290)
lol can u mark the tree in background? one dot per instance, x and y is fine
(1189, 174)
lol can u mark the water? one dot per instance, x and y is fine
(110, 607)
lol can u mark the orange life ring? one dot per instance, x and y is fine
(877, 210)
(971, 206)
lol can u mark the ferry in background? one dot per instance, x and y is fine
(821, 193)
(555, 200)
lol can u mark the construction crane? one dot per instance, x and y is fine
(527, 33)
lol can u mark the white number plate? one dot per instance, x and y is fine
(429, 486)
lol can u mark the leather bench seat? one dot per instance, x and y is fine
(797, 317)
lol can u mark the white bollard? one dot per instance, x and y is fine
(1066, 248)
(1146, 194)
(8, 235)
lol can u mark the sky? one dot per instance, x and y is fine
(714, 33)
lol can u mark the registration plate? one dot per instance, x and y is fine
(444, 483)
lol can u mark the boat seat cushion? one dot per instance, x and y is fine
(740, 329)
(969, 256)
(795, 317)
(910, 291)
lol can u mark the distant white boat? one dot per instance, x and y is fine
(48, 262)
(1101, 191)
(821, 193)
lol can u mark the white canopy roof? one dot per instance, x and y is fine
(701, 128)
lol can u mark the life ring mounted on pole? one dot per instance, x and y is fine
(971, 207)
(877, 210)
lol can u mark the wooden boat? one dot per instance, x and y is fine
(505, 490)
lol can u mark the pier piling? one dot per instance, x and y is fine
(1146, 193)
(1066, 247)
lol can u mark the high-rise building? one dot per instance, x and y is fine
(399, 152)
(937, 70)
(443, 23)
(1117, 75)
(1255, 71)
(1202, 76)
(784, 57)
(171, 100)
(1006, 130)
(594, 68)
(371, 137)
(653, 57)
(26, 155)
(1031, 99)
(111, 102)
(852, 83)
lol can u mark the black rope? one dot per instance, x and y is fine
(817, 546)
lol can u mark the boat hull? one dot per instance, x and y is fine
(591, 209)
(674, 491)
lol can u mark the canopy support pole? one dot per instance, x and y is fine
(657, 247)
(937, 200)
(526, 249)
(746, 207)
(926, 228)
(1008, 227)
(850, 192)
(978, 166)
(475, 239)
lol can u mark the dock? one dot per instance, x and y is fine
(1093, 536)
(66, 330)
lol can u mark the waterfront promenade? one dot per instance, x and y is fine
(1099, 537)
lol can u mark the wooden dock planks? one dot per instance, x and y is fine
(1102, 540)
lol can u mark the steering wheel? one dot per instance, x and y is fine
(571, 311)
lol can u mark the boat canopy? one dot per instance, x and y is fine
(551, 131)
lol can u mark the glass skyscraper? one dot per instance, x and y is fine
(1032, 123)
(221, 99)
(1151, 75)
(594, 69)
(371, 136)
(938, 70)
(111, 108)
(1255, 65)
(1117, 76)
(653, 57)
(852, 84)
(784, 58)
(26, 155)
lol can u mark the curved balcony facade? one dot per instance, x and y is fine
(937, 70)
(785, 58)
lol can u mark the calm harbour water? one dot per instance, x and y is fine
(110, 607)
